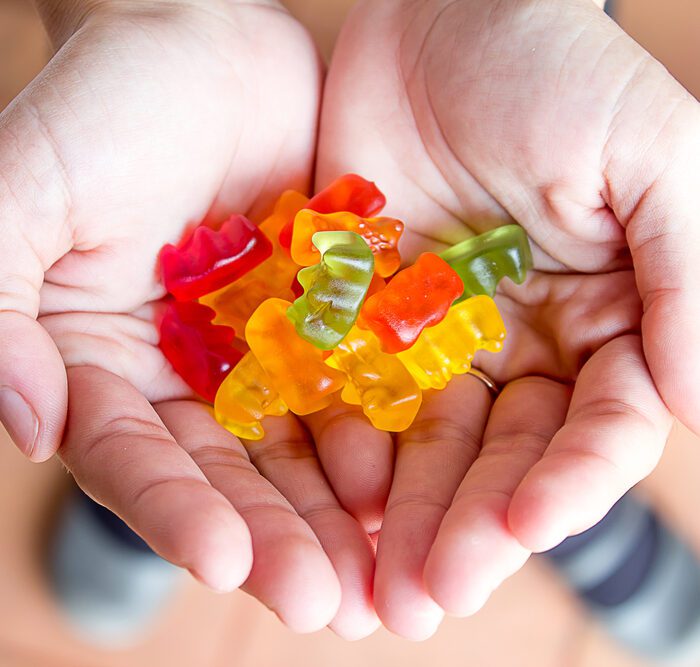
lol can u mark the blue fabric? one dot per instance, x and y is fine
(574, 543)
(115, 526)
(625, 578)
(623, 582)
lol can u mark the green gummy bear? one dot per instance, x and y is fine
(334, 289)
(482, 261)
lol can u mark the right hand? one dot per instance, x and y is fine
(471, 114)
(151, 117)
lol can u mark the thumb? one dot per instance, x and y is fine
(33, 392)
(34, 233)
(653, 175)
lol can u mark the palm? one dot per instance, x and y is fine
(469, 115)
(188, 125)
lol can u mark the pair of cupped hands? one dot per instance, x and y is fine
(154, 115)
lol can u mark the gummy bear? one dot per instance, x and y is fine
(381, 234)
(236, 302)
(389, 395)
(210, 259)
(448, 348)
(295, 367)
(415, 298)
(245, 397)
(482, 261)
(348, 193)
(201, 352)
(334, 289)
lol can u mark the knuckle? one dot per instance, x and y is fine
(282, 451)
(410, 502)
(440, 431)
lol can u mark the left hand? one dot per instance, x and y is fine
(151, 116)
(473, 114)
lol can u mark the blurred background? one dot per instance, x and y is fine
(532, 620)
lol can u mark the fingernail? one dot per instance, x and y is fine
(19, 420)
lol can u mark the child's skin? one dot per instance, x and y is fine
(540, 111)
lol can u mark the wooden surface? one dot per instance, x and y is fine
(531, 621)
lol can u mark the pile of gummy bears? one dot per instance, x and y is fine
(281, 316)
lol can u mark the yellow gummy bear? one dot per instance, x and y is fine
(245, 397)
(448, 348)
(389, 396)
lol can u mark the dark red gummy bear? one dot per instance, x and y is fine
(297, 288)
(348, 193)
(210, 259)
(202, 353)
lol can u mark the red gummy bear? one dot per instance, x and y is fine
(297, 288)
(210, 260)
(348, 193)
(415, 298)
(202, 353)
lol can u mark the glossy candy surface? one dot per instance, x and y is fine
(381, 235)
(236, 302)
(334, 289)
(201, 353)
(448, 348)
(378, 283)
(210, 259)
(377, 381)
(483, 261)
(295, 367)
(358, 328)
(245, 397)
(417, 297)
(348, 193)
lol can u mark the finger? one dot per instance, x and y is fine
(614, 434)
(432, 458)
(357, 459)
(33, 392)
(121, 454)
(291, 573)
(287, 458)
(653, 195)
(474, 550)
